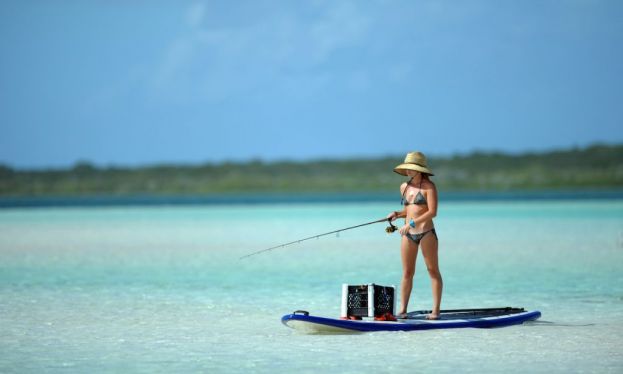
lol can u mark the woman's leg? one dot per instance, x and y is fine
(408, 254)
(430, 246)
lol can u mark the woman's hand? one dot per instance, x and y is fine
(404, 229)
(392, 216)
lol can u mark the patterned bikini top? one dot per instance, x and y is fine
(419, 198)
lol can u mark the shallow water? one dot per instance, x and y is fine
(161, 289)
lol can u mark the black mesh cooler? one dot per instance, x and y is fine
(356, 300)
(383, 300)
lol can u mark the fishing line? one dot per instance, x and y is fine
(391, 228)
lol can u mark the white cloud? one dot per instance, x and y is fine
(195, 14)
(343, 25)
(279, 43)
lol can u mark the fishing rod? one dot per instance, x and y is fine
(391, 228)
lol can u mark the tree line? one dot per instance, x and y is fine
(594, 167)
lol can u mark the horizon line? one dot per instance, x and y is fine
(282, 160)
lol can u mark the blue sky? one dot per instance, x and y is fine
(144, 82)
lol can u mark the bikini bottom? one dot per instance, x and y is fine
(416, 238)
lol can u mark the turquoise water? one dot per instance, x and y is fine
(161, 289)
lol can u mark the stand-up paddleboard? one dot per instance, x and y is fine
(458, 318)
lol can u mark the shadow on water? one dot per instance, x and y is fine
(557, 324)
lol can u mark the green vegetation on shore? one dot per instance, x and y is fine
(595, 167)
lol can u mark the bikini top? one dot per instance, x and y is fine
(419, 198)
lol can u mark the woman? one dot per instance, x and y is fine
(419, 199)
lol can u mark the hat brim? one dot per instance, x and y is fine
(402, 169)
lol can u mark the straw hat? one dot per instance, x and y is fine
(414, 161)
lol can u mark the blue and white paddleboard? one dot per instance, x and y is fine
(449, 319)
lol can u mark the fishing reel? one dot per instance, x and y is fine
(391, 228)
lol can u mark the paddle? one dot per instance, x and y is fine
(391, 228)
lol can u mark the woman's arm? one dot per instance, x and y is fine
(397, 214)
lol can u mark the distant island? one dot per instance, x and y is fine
(594, 167)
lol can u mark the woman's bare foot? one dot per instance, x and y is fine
(401, 315)
(433, 316)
